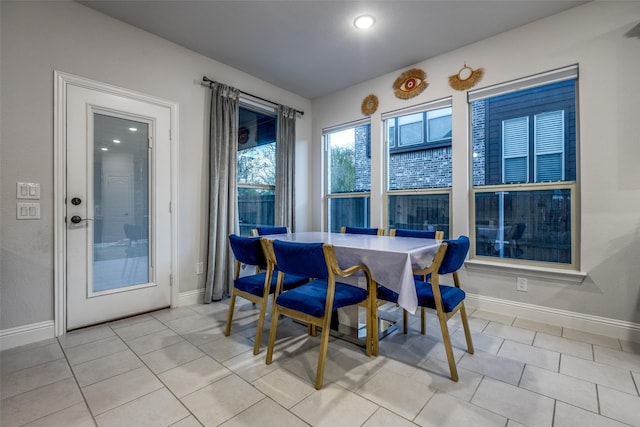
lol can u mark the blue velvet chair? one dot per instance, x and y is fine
(265, 231)
(315, 301)
(420, 234)
(362, 230)
(256, 287)
(446, 300)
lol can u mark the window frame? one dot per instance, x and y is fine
(423, 108)
(328, 196)
(542, 79)
(249, 104)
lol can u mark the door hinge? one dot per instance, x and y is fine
(171, 280)
(150, 142)
(170, 207)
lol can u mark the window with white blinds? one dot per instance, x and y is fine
(524, 170)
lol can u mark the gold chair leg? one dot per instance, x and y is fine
(373, 325)
(467, 331)
(322, 355)
(423, 321)
(261, 316)
(447, 346)
(272, 334)
(232, 304)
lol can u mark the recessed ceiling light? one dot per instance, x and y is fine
(104, 149)
(133, 129)
(364, 21)
(116, 141)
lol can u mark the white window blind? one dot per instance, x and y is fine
(549, 146)
(515, 156)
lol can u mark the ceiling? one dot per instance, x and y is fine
(311, 48)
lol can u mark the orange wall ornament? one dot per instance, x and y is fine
(410, 83)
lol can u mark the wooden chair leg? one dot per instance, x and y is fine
(232, 304)
(373, 325)
(447, 346)
(467, 331)
(272, 334)
(261, 316)
(322, 354)
(423, 321)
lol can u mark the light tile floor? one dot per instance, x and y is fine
(176, 368)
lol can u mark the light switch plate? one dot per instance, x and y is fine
(28, 211)
(28, 190)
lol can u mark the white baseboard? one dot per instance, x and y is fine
(15, 337)
(628, 331)
(190, 297)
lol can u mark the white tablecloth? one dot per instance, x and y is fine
(390, 259)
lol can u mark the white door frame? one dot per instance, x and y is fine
(61, 81)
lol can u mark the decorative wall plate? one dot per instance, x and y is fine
(466, 78)
(410, 83)
(369, 105)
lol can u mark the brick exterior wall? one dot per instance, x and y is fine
(478, 142)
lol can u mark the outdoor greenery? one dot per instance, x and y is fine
(343, 170)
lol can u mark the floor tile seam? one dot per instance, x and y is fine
(561, 352)
(63, 347)
(4, 375)
(143, 335)
(230, 372)
(470, 402)
(556, 399)
(11, 352)
(58, 411)
(627, 371)
(84, 398)
(130, 401)
(159, 348)
(39, 386)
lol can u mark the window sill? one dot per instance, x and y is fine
(556, 274)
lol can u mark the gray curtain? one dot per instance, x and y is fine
(223, 202)
(285, 161)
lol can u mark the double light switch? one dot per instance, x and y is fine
(28, 190)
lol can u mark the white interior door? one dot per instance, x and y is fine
(118, 219)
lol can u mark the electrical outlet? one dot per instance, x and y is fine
(199, 267)
(521, 284)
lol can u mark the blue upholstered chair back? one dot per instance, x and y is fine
(456, 253)
(421, 234)
(247, 250)
(265, 231)
(301, 259)
(361, 230)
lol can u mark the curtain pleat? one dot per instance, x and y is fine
(284, 198)
(223, 201)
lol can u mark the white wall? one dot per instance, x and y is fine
(40, 37)
(593, 36)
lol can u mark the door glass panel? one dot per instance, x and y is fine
(120, 203)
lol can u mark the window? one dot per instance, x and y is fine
(348, 175)
(419, 171)
(256, 168)
(524, 169)
(420, 130)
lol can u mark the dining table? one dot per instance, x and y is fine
(390, 260)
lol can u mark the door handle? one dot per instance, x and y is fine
(76, 219)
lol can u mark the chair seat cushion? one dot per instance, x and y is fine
(254, 284)
(310, 298)
(451, 296)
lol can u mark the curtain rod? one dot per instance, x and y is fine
(210, 82)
